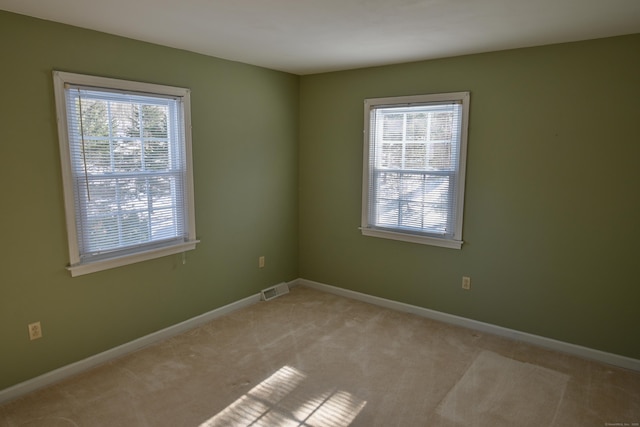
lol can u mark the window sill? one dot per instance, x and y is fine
(412, 238)
(92, 267)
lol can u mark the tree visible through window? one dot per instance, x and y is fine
(126, 168)
(415, 151)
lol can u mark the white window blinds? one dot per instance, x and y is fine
(414, 167)
(129, 171)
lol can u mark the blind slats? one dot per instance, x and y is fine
(414, 167)
(128, 165)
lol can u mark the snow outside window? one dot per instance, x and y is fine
(127, 171)
(414, 168)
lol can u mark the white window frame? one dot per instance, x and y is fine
(77, 265)
(453, 239)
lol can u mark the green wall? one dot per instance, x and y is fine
(552, 207)
(551, 211)
(245, 133)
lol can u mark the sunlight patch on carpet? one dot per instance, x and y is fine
(282, 400)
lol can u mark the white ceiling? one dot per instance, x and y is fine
(311, 36)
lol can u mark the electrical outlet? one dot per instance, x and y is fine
(261, 262)
(35, 331)
(466, 283)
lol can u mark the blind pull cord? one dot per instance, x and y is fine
(84, 152)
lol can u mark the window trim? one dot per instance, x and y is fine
(368, 229)
(76, 266)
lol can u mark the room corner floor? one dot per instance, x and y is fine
(310, 358)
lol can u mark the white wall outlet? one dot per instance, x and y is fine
(466, 283)
(35, 331)
(261, 262)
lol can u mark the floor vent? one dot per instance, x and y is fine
(275, 291)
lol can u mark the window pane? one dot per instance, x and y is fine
(388, 185)
(127, 179)
(387, 213)
(416, 201)
(440, 156)
(156, 155)
(392, 125)
(161, 191)
(97, 156)
(436, 203)
(99, 197)
(391, 156)
(124, 140)
(414, 185)
(411, 215)
(132, 194)
(416, 156)
(441, 126)
(135, 228)
(416, 127)
(125, 122)
(154, 121)
(95, 121)
(102, 234)
(163, 224)
(127, 155)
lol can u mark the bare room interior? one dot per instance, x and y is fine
(332, 213)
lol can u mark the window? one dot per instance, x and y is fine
(414, 164)
(125, 149)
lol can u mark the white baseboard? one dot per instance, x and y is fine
(59, 374)
(576, 350)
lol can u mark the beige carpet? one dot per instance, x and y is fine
(276, 402)
(496, 390)
(314, 359)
